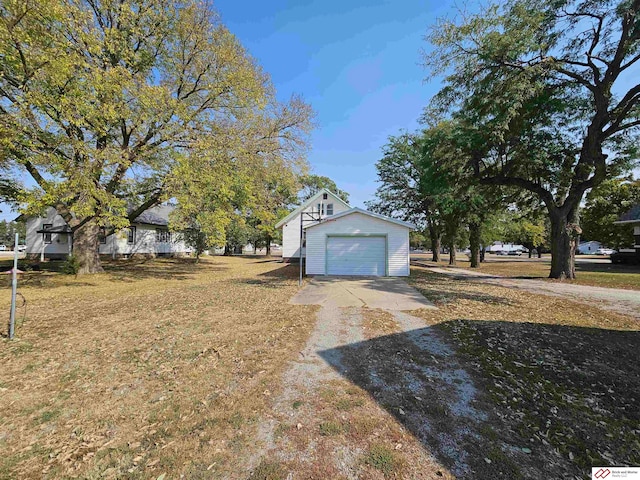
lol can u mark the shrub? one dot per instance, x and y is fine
(71, 266)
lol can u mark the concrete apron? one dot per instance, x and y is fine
(386, 293)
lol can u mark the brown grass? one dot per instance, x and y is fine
(559, 378)
(596, 274)
(153, 367)
(378, 322)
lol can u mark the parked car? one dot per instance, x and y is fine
(22, 248)
(3, 247)
(627, 258)
(605, 251)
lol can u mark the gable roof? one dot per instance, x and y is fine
(632, 216)
(158, 215)
(308, 202)
(384, 218)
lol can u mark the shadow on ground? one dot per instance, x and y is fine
(507, 400)
(126, 270)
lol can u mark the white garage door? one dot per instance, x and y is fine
(356, 256)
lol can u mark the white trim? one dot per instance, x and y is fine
(620, 222)
(308, 202)
(408, 225)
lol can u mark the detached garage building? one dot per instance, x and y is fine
(358, 242)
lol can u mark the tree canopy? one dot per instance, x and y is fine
(547, 88)
(113, 107)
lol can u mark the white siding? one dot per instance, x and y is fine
(291, 229)
(589, 247)
(354, 224)
(116, 244)
(59, 245)
(145, 243)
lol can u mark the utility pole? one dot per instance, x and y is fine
(14, 288)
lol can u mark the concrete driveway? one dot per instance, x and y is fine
(386, 293)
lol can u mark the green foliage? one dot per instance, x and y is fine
(71, 265)
(8, 232)
(541, 86)
(603, 206)
(196, 239)
(113, 107)
(417, 239)
(383, 459)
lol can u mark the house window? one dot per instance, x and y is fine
(47, 236)
(321, 208)
(102, 235)
(329, 208)
(325, 196)
(131, 235)
(163, 235)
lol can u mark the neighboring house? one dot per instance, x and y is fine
(632, 219)
(321, 205)
(50, 236)
(589, 248)
(496, 247)
(358, 242)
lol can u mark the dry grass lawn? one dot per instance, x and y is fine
(596, 274)
(170, 367)
(159, 367)
(560, 379)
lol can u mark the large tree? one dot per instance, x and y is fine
(400, 193)
(551, 85)
(102, 102)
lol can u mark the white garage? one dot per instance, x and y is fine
(357, 242)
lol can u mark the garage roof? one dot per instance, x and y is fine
(408, 225)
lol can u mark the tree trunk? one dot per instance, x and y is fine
(564, 235)
(268, 246)
(483, 253)
(530, 252)
(451, 235)
(452, 254)
(228, 250)
(86, 244)
(474, 242)
(539, 250)
(436, 243)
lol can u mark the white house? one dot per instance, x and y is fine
(496, 247)
(321, 205)
(50, 236)
(587, 248)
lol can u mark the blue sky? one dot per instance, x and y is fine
(357, 62)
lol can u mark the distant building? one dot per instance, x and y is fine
(50, 237)
(496, 247)
(632, 219)
(589, 248)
